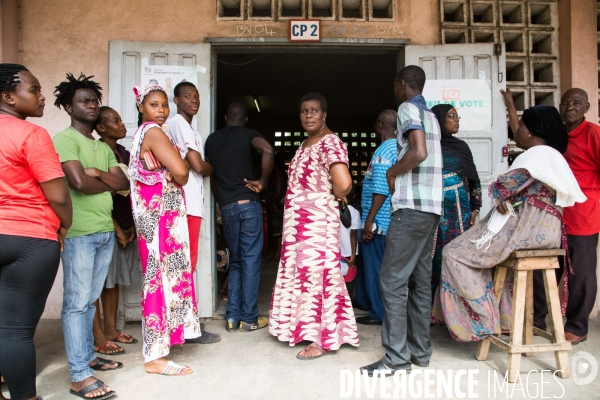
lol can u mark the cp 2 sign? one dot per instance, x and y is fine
(305, 30)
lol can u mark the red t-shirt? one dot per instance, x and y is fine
(27, 157)
(583, 156)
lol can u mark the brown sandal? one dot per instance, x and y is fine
(121, 335)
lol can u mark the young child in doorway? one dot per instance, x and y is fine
(349, 240)
(125, 267)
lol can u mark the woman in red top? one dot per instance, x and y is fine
(35, 214)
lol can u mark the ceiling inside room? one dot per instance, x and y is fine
(357, 86)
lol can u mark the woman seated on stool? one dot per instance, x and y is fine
(537, 186)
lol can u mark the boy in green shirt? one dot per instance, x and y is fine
(92, 172)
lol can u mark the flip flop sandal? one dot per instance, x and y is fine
(110, 344)
(91, 387)
(102, 362)
(299, 357)
(126, 336)
(174, 369)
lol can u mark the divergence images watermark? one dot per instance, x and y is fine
(462, 383)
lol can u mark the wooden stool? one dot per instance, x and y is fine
(523, 263)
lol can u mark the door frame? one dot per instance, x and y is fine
(225, 45)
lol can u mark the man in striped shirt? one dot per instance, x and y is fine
(417, 203)
(376, 216)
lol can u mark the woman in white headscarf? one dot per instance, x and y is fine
(537, 186)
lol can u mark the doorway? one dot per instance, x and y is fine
(357, 84)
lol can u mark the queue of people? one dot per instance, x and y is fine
(110, 213)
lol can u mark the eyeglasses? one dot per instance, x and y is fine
(453, 116)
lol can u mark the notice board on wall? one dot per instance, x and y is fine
(168, 76)
(472, 99)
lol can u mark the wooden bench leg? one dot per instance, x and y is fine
(516, 329)
(528, 331)
(483, 350)
(562, 359)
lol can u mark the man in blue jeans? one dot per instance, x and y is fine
(376, 212)
(92, 173)
(229, 150)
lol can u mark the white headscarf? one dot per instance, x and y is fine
(142, 91)
(547, 165)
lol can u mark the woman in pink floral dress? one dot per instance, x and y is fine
(158, 173)
(310, 301)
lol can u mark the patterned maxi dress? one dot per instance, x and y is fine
(310, 300)
(470, 307)
(458, 205)
(168, 303)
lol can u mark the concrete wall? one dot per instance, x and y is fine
(578, 49)
(59, 36)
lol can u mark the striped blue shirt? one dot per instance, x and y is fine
(375, 182)
(422, 187)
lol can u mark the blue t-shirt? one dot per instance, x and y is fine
(376, 182)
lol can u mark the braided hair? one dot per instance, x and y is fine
(65, 91)
(9, 76)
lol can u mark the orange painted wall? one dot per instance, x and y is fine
(578, 50)
(59, 36)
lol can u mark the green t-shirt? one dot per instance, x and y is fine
(91, 212)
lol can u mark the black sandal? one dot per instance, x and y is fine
(90, 388)
(102, 362)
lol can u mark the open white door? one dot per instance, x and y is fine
(125, 62)
(472, 61)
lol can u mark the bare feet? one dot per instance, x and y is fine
(162, 367)
(120, 337)
(77, 386)
(313, 350)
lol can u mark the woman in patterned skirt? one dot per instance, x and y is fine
(310, 301)
(462, 195)
(537, 186)
(157, 175)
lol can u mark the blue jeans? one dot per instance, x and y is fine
(243, 229)
(85, 264)
(372, 252)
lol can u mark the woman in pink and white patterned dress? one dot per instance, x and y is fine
(157, 175)
(310, 301)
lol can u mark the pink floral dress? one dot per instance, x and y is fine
(169, 312)
(310, 300)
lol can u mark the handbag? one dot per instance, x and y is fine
(149, 162)
(345, 215)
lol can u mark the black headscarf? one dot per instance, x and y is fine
(545, 122)
(455, 149)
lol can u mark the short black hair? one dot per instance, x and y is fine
(98, 120)
(9, 76)
(236, 111)
(313, 97)
(413, 75)
(65, 91)
(180, 85)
